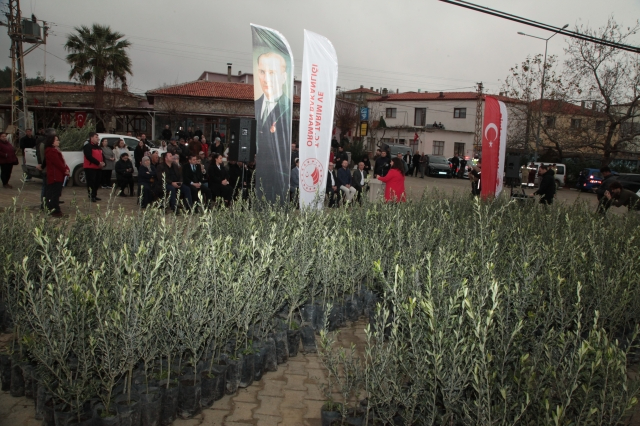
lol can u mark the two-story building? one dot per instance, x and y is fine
(436, 123)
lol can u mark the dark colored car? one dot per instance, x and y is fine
(589, 180)
(439, 166)
(629, 181)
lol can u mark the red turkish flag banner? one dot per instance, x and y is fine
(415, 136)
(81, 117)
(490, 146)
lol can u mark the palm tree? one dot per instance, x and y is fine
(97, 54)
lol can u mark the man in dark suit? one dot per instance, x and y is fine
(333, 191)
(408, 160)
(359, 180)
(192, 176)
(273, 114)
(219, 183)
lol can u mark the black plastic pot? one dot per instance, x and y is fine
(27, 375)
(309, 313)
(258, 361)
(336, 317)
(234, 367)
(282, 347)
(5, 371)
(17, 380)
(48, 418)
(220, 381)
(62, 415)
(369, 301)
(128, 411)
(247, 370)
(189, 399)
(270, 355)
(308, 337)
(352, 308)
(41, 398)
(169, 402)
(319, 319)
(328, 415)
(293, 342)
(208, 389)
(105, 419)
(150, 406)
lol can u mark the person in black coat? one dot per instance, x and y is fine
(382, 166)
(333, 190)
(192, 176)
(219, 180)
(138, 153)
(166, 133)
(547, 188)
(124, 174)
(146, 179)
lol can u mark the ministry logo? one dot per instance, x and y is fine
(311, 174)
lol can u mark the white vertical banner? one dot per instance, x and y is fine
(503, 147)
(317, 103)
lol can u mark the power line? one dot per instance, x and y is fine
(532, 23)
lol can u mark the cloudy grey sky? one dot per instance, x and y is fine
(398, 44)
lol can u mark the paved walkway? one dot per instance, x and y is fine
(287, 397)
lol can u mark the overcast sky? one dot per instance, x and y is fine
(397, 44)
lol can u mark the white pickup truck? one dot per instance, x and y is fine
(75, 159)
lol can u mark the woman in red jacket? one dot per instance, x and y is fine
(8, 159)
(395, 182)
(57, 170)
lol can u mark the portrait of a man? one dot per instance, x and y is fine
(273, 112)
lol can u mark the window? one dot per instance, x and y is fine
(458, 149)
(391, 113)
(600, 126)
(550, 122)
(420, 117)
(575, 123)
(438, 148)
(459, 113)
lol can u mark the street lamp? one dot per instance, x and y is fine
(544, 70)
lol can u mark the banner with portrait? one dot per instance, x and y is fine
(317, 102)
(273, 94)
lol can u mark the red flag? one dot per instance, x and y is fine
(415, 137)
(490, 146)
(65, 118)
(81, 117)
(59, 103)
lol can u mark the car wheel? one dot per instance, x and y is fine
(79, 177)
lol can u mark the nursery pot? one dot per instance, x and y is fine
(17, 380)
(336, 317)
(128, 411)
(308, 337)
(329, 413)
(5, 371)
(48, 418)
(169, 402)
(234, 367)
(293, 342)
(247, 371)
(208, 389)
(41, 398)
(27, 375)
(102, 418)
(282, 349)
(319, 318)
(258, 361)
(352, 308)
(189, 399)
(220, 385)
(150, 406)
(309, 313)
(270, 354)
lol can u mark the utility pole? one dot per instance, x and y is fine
(477, 137)
(20, 30)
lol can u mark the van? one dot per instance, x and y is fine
(395, 149)
(560, 175)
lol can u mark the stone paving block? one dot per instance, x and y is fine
(274, 375)
(316, 374)
(314, 393)
(225, 403)
(194, 421)
(263, 420)
(293, 416)
(246, 395)
(295, 383)
(272, 388)
(214, 417)
(313, 409)
(237, 424)
(314, 364)
(293, 399)
(242, 411)
(296, 368)
(313, 422)
(269, 406)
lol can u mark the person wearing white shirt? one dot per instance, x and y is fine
(360, 180)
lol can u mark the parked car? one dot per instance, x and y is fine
(629, 181)
(438, 166)
(589, 180)
(75, 159)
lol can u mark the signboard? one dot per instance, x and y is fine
(364, 114)
(364, 127)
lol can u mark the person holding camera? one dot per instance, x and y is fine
(547, 188)
(170, 175)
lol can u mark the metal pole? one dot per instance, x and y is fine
(544, 70)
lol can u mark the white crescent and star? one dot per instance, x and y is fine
(486, 131)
